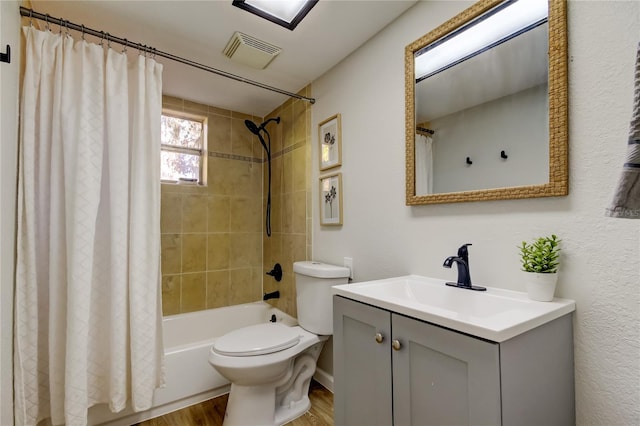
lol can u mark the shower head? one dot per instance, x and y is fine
(253, 128)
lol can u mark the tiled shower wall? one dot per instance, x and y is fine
(212, 235)
(290, 240)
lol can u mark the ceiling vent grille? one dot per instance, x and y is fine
(250, 51)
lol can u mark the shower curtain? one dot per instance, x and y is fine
(87, 313)
(424, 164)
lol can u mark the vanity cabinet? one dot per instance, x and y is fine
(390, 369)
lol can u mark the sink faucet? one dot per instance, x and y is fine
(462, 262)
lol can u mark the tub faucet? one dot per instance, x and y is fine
(464, 275)
(272, 295)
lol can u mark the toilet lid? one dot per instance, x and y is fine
(258, 339)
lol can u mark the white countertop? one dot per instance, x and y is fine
(495, 314)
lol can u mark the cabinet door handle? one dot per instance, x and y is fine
(396, 345)
(379, 337)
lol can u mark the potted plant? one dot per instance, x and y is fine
(540, 259)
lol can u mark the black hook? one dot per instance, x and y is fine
(276, 272)
(469, 161)
(503, 155)
(6, 57)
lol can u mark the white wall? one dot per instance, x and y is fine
(600, 258)
(9, 34)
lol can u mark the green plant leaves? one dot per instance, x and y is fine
(541, 255)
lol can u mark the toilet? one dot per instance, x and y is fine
(270, 365)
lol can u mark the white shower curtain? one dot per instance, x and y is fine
(424, 164)
(87, 313)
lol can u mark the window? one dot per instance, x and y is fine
(183, 148)
(284, 13)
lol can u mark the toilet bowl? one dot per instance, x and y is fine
(270, 365)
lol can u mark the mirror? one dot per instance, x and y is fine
(489, 123)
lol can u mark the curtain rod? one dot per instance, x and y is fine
(30, 13)
(425, 130)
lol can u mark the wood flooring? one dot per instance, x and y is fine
(211, 412)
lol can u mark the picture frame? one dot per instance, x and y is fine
(330, 139)
(331, 200)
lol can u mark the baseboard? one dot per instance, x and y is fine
(324, 378)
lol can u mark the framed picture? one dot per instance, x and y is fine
(330, 137)
(331, 199)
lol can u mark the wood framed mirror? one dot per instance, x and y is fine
(494, 122)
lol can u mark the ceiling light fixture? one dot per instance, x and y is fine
(287, 13)
(504, 22)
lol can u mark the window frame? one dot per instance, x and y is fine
(202, 153)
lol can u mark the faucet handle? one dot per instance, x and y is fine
(463, 251)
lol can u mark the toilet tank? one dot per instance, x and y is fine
(314, 295)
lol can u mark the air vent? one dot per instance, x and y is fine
(250, 51)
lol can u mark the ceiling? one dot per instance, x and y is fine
(200, 30)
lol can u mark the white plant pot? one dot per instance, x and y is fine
(541, 287)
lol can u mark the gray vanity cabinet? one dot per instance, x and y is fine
(390, 369)
(361, 370)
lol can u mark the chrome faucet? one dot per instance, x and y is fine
(464, 275)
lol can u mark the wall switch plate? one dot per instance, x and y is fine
(348, 262)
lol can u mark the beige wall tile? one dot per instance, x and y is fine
(219, 111)
(277, 175)
(196, 108)
(242, 287)
(245, 250)
(287, 213)
(230, 177)
(170, 294)
(171, 253)
(246, 214)
(218, 251)
(299, 121)
(194, 213)
(194, 252)
(172, 102)
(299, 172)
(287, 173)
(170, 212)
(286, 122)
(219, 134)
(241, 138)
(275, 130)
(240, 214)
(275, 250)
(299, 214)
(218, 213)
(194, 292)
(256, 184)
(276, 212)
(217, 289)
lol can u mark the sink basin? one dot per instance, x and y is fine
(495, 314)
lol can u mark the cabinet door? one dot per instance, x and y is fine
(441, 377)
(361, 371)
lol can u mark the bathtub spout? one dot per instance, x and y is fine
(272, 295)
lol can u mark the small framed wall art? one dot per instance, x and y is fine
(331, 199)
(330, 137)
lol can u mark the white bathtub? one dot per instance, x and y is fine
(189, 377)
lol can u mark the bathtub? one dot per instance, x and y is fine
(189, 377)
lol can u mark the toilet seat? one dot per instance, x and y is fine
(258, 339)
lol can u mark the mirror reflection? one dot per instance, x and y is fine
(481, 107)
